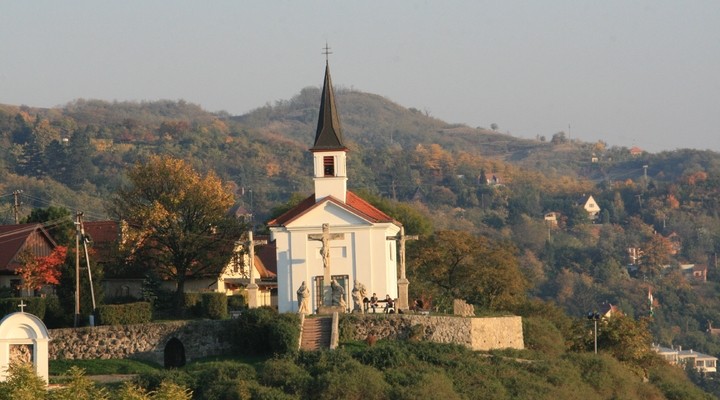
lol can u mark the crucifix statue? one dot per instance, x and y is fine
(401, 238)
(325, 237)
(252, 287)
(22, 306)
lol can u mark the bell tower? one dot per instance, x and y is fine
(329, 152)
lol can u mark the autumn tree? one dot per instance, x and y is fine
(37, 272)
(456, 264)
(178, 220)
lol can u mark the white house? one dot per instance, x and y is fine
(359, 250)
(591, 206)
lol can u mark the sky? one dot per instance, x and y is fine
(630, 73)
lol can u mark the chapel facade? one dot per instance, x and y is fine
(359, 250)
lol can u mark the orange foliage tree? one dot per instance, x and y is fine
(39, 271)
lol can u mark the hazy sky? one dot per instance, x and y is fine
(643, 73)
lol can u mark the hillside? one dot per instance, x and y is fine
(427, 173)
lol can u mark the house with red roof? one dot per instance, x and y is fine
(359, 249)
(16, 240)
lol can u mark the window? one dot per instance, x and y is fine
(329, 166)
(343, 280)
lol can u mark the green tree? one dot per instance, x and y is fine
(58, 222)
(178, 220)
(455, 264)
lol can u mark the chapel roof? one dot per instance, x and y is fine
(354, 204)
(328, 135)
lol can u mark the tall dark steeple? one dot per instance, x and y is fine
(328, 135)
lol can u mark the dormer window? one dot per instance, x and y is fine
(329, 166)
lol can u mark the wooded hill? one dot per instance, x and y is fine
(433, 175)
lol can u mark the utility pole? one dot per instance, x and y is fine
(87, 261)
(78, 219)
(16, 205)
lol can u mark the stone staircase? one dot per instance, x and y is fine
(316, 333)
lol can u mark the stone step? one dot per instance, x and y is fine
(316, 334)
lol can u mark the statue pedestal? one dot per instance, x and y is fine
(402, 301)
(252, 300)
(328, 310)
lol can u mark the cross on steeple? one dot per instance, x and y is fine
(22, 306)
(326, 51)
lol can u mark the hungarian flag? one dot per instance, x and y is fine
(650, 299)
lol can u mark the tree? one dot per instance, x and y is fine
(178, 220)
(456, 264)
(59, 223)
(37, 272)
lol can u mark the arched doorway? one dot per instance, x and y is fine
(174, 354)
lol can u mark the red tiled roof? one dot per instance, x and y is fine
(105, 232)
(13, 238)
(354, 204)
(266, 260)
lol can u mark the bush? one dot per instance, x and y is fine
(34, 305)
(214, 306)
(124, 314)
(236, 303)
(192, 302)
(264, 331)
(287, 375)
(22, 383)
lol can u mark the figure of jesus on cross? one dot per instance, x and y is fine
(325, 237)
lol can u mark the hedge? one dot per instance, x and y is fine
(34, 305)
(214, 306)
(124, 314)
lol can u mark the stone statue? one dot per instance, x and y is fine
(359, 293)
(303, 296)
(338, 294)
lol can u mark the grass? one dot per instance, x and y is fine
(103, 367)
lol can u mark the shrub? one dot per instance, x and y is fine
(124, 314)
(236, 302)
(541, 335)
(287, 375)
(22, 383)
(34, 305)
(79, 388)
(264, 331)
(214, 306)
(192, 302)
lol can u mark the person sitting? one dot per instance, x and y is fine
(389, 305)
(373, 302)
(418, 305)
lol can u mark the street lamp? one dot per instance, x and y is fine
(595, 317)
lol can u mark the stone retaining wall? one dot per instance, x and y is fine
(211, 338)
(141, 341)
(475, 333)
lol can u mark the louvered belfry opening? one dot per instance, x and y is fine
(329, 166)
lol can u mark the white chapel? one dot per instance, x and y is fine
(359, 248)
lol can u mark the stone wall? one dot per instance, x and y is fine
(475, 333)
(141, 341)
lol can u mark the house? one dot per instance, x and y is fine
(696, 273)
(590, 205)
(16, 240)
(551, 219)
(235, 277)
(701, 362)
(636, 151)
(354, 246)
(607, 310)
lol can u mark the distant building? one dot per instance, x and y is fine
(636, 151)
(590, 205)
(701, 362)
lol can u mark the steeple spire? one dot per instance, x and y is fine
(328, 135)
